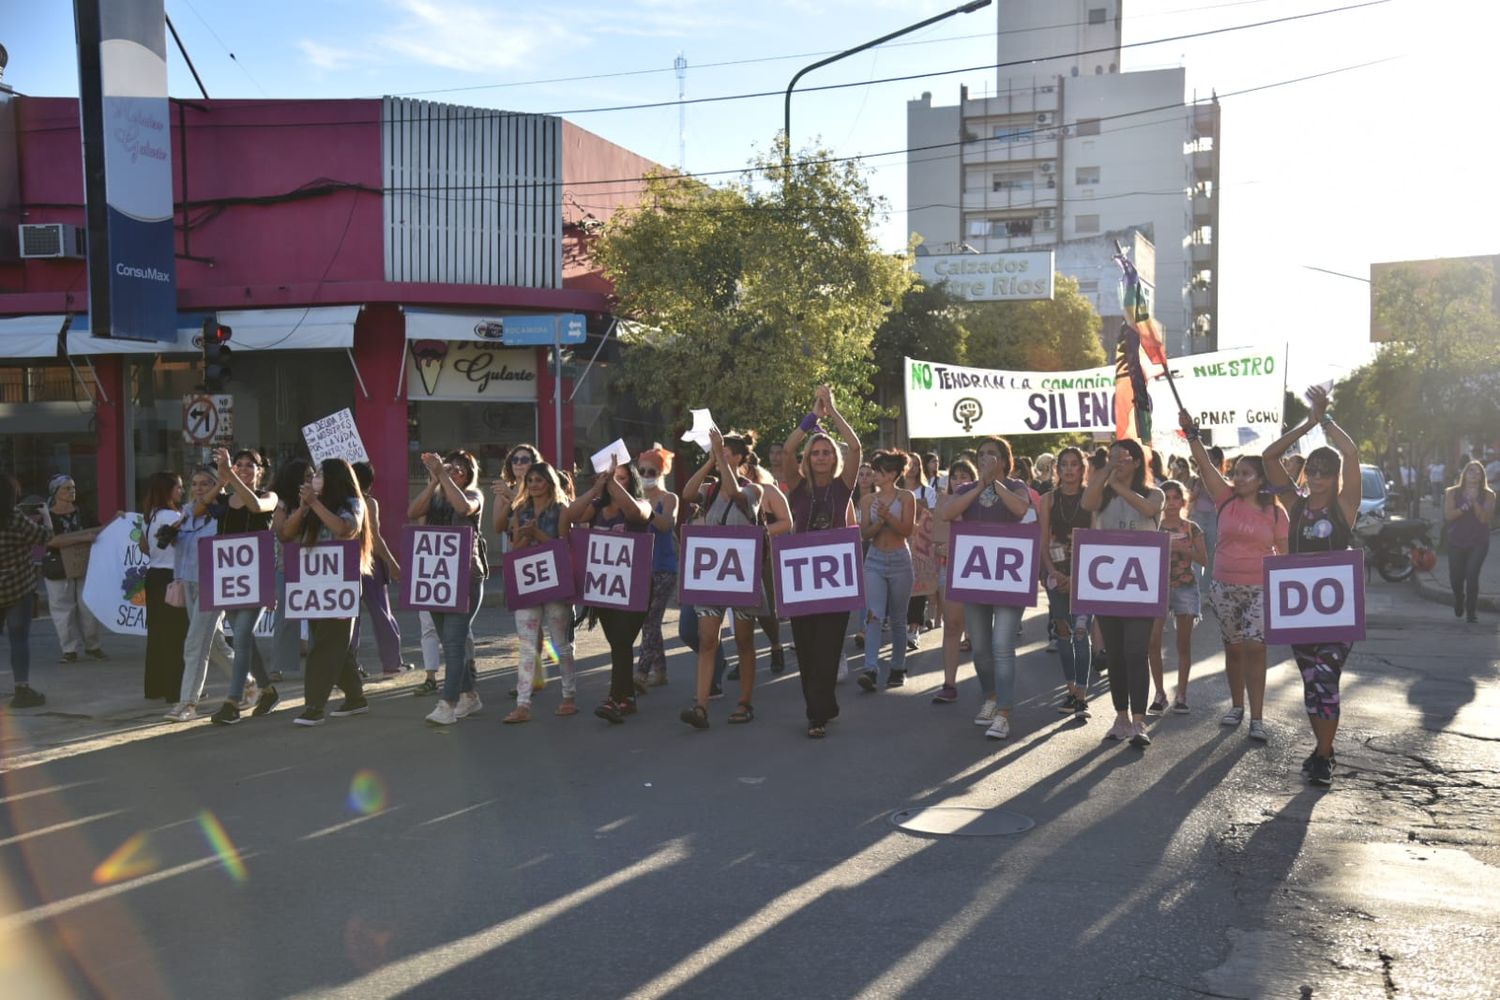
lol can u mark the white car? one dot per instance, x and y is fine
(1371, 490)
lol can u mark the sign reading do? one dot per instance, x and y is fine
(1120, 573)
(1317, 597)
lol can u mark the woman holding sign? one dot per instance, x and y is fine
(333, 508)
(820, 492)
(204, 640)
(1468, 508)
(245, 507)
(994, 499)
(614, 503)
(1062, 513)
(655, 464)
(1251, 526)
(887, 517)
(1121, 500)
(1320, 522)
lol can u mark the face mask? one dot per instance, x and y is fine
(649, 482)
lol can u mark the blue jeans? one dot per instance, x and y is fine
(247, 658)
(992, 631)
(286, 641)
(17, 622)
(453, 632)
(1209, 522)
(888, 583)
(687, 631)
(1074, 642)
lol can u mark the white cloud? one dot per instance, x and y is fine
(327, 57)
(467, 37)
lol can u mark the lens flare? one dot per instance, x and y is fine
(130, 860)
(219, 840)
(550, 651)
(366, 793)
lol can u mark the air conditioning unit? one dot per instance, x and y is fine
(1048, 167)
(51, 240)
(1044, 119)
(1047, 223)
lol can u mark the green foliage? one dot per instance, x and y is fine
(1057, 334)
(754, 294)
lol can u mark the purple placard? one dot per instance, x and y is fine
(438, 562)
(720, 566)
(612, 569)
(819, 571)
(1120, 573)
(538, 574)
(236, 571)
(322, 579)
(993, 563)
(1318, 597)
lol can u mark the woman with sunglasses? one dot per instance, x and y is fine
(245, 508)
(1321, 521)
(166, 625)
(205, 641)
(655, 465)
(508, 490)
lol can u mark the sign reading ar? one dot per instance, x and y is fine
(1120, 573)
(1318, 597)
(993, 563)
(721, 566)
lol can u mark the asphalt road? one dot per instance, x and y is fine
(377, 857)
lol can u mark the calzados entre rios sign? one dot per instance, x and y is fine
(990, 277)
(1236, 388)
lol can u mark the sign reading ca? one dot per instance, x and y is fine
(993, 563)
(819, 572)
(1120, 573)
(1318, 597)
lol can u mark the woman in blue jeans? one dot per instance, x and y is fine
(245, 508)
(1063, 513)
(887, 517)
(19, 534)
(995, 499)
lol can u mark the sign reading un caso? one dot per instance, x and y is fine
(991, 277)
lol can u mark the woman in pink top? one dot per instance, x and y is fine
(1252, 525)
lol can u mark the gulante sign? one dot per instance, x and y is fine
(470, 371)
(991, 277)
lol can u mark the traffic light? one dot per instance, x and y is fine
(216, 354)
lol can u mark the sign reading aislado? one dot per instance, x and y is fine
(335, 436)
(612, 569)
(236, 571)
(1318, 597)
(720, 566)
(538, 574)
(1237, 388)
(322, 580)
(114, 588)
(819, 572)
(1120, 573)
(993, 563)
(439, 561)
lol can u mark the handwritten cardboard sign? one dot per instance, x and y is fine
(335, 436)
(236, 571)
(612, 569)
(993, 563)
(819, 572)
(1120, 573)
(720, 566)
(538, 574)
(1318, 597)
(438, 561)
(322, 580)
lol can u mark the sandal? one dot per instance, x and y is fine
(521, 713)
(745, 713)
(639, 680)
(695, 716)
(817, 731)
(568, 707)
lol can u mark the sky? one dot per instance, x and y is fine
(1391, 161)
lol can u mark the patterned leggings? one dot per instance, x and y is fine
(1321, 664)
(653, 650)
(558, 617)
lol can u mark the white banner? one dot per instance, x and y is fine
(115, 587)
(1222, 389)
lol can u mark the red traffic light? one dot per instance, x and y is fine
(215, 332)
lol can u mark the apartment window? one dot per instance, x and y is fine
(1097, 15)
(1088, 286)
(1088, 126)
(1086, 175)
(1086, 223)
(979, 227)
(1012, 181)
(1017, 227)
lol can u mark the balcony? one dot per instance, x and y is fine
(1203, 210)
(1201, 254)
(1205, 120)
(1202, 299)
(1203, 164)
(1033, 145)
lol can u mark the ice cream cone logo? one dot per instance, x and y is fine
(429, 355)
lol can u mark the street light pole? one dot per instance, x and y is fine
(967, 8)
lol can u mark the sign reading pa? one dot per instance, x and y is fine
(1318, 597)
(612, 569)
(819, 572)
(1120, 573)
(538, 574)
(993, 563)
(439, 561)
(720, 566)
(322, 580)
(236, 571)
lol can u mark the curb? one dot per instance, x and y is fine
(1439, 594)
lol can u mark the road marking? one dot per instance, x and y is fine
(54, 828)
(458, 812)
(264, 774)
(338, 827)
(47, 911)
(44, 791)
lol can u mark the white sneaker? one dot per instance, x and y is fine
(987, 713)
(443, 715)
(183, 712)
(1233, 717)
(999, 729)
(1258, 731)
(468, 704)
(251, 696)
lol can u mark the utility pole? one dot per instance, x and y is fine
(680, 64)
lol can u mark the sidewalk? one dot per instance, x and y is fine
(1434, 586)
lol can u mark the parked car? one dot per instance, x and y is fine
(1372, 490)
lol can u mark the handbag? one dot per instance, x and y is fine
(75, 560)
(176, 596)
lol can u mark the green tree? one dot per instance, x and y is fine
(928, 324)
(751, 295)
(1048, 335)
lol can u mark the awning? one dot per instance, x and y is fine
(511, 329)
(298, 329)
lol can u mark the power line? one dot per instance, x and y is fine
(232, 57)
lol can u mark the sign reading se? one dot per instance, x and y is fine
(538, 575)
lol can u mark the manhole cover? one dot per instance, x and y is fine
(962, 821)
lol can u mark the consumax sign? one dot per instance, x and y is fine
(990, 277)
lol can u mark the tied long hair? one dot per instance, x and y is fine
(340, 492)
(159, 490)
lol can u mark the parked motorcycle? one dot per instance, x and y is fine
(1396, 548)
